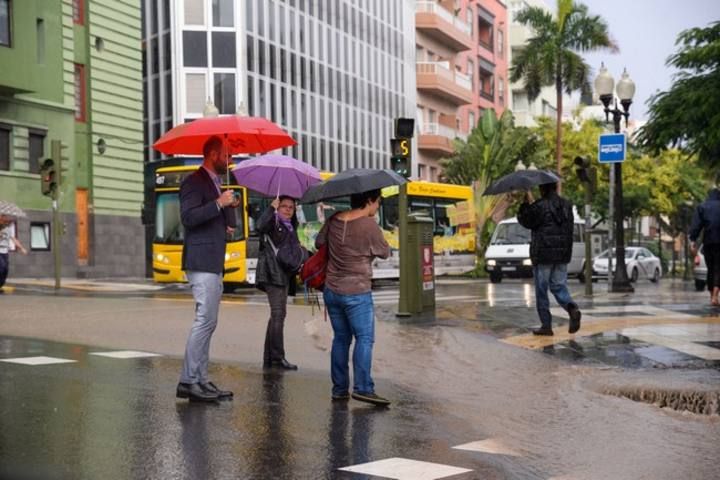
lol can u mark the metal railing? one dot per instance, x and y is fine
(448, 16)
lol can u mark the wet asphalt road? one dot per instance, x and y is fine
(458, 376)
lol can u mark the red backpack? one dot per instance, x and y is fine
(312, 273)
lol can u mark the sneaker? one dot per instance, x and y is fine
(371, 398)
(575, 316)
(543, 331)
(340, 397)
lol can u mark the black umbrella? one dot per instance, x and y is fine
(355, 180)
(521, 180)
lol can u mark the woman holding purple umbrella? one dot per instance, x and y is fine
(280, 259)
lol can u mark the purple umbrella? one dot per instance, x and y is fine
(275, 175)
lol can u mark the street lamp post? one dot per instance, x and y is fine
(625, 90)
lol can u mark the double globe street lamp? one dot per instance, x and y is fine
(625, 90)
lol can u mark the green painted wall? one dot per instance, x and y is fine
(116, 106)
(35, 65)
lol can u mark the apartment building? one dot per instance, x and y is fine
(461, 57)
(524, 110)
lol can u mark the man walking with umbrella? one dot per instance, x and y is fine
(207, 216)
(551, 221)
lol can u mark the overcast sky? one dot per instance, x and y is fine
(645, 31)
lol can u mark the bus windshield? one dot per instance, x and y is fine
(169, 228)
(510, 234)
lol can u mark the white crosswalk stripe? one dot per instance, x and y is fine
(406, 469)
(36, 361)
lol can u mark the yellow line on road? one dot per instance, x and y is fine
(591, 328)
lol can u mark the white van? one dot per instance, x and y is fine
(508, 254)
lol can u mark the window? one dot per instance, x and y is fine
(5, 23)
(222, 11)
(37, 149)
(80, 107)
(500, 43)
(486, 21)
(501, 92)
(471, 120)
(5, 147)
(40, 40)
(194, 12)
(40, 236)
(79, 12)
(471, 73)
(195, 95)
(223, 49)
(225, 92)
(195, 49)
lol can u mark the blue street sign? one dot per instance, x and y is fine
(612, 148)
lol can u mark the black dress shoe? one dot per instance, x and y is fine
(195, 393)
(221, 394)
(543, 331)
(282, 363)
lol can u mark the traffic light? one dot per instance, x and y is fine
(401, 149)
(48, 177)
(586, 173)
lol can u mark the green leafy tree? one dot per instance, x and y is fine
(551, 58)
(492, 149)
(688, 114)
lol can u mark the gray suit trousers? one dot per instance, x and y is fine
(207, 290)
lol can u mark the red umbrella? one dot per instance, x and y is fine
(240, 134)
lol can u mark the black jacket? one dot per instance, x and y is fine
(205, 224)
(268, 270)
(707, 220)
(551, 221)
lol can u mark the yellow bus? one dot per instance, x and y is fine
(169, 232)
(450, 207)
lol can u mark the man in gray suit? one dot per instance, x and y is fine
(207, 215)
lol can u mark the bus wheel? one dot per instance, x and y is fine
(495, 277)
(229, 287)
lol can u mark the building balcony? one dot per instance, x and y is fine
(436, 78)
(437, 139)
(437, 22)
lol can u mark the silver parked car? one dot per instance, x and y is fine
(639, 261)
(700, 271)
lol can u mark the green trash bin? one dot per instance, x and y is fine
(421, 267)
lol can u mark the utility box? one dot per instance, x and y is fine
(420, 258)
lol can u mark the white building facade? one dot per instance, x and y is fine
(334, 74)
(545, 104)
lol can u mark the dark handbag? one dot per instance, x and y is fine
(290, 256)
(313, 270)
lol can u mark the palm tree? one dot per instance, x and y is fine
(550, 57)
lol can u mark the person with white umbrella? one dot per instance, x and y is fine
(6, 240)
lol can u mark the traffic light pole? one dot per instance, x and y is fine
(404, 301)
(56, 154)
(588, 246)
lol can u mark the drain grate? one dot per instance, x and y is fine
(700, 402)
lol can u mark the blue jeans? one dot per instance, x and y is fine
(553, 276)
(351, 316)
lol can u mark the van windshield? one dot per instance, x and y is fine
(510, 234)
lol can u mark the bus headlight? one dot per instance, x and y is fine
(491, 263)
(232, 256)
(527, 262)
(162, 258)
